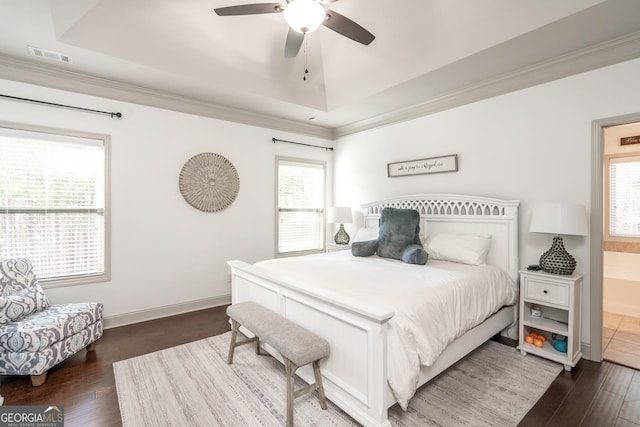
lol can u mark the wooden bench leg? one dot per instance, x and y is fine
(319, 387)
(292, 394)
(290, 368)
(92, 346)
(232, 346)
(235, 325)
(257, 345)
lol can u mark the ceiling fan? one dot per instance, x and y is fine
(303, 17)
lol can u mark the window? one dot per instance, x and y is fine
(53, 203)
(624, 197)
(300, 216)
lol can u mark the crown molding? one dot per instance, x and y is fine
(611, 52)
(54, 77)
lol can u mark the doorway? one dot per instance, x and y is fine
(615, 251)
(621, 244)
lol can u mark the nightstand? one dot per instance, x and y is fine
(334, 247)
(558, 299)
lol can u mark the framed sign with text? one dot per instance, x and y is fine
(628, 140)
(423, 166)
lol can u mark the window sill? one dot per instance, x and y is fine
(627, 247)
(73, 281)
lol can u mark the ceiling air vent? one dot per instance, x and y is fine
(49, 54)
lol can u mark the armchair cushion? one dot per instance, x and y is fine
(45, 328)
(20, 304)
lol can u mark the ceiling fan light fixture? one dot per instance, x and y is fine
(304, 16)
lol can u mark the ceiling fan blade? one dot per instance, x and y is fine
(250, 9)
(293, 43)
(345, 26)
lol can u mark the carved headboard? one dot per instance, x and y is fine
(450, 213)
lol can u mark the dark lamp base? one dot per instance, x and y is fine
(557, 260)
(341, 237)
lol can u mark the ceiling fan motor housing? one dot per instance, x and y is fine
(304, 16)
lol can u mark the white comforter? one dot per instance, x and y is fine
(433, 304)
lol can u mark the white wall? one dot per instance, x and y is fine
(532, 145)
(165, 254)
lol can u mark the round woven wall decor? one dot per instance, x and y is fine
(209, 182)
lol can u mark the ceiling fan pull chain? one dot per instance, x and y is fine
(306, 70)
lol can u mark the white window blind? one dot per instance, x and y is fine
(52, 203)
(301, 196)
(624, 196)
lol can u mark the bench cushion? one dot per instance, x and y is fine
(294, 342)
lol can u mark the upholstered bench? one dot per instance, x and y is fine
(296, 345)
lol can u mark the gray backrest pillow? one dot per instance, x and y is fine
(399, 238)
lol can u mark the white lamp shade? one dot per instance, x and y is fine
(559, 218)
(304, 16)
(339, 215)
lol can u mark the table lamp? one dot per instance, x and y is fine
(340, 215)
(559, 218)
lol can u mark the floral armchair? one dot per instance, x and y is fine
(35, 335)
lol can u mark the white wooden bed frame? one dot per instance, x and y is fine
(355, 374)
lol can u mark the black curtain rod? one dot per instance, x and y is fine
(300, 143)
(52, 104)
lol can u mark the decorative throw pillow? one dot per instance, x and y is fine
(16, 274)
(398, 238)
(23, 303)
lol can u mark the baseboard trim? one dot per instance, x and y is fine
(165, 311)
(622, 309)
(586, 352)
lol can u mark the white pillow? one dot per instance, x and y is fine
(423, 239)
(365, 234)
(463, 248)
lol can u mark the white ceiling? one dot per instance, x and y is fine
(428, 55)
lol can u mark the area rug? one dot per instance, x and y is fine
(192, 385)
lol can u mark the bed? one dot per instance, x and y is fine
(362, 330)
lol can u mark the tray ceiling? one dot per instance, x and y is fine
(424, 51)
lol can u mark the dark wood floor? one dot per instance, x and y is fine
(593, 394)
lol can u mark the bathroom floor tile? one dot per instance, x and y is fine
(626, 336)
(607, 334)
(622, 358)
(630, 324)
(611, 320)
(623, 346)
